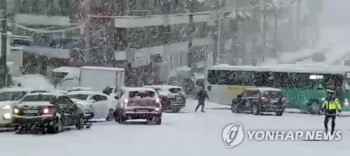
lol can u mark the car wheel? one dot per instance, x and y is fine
(255, 110)
(58, 127)
(158, 120)
(235, 108)
(118, 117)
(175, 110)
(80, 124)
(279, 113)
(110, 115)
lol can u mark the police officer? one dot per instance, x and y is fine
(331, 106)
(201, 96)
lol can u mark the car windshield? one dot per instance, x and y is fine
(273, 94)
(175, 90)
(38, 97)
(78, 96)
(12, 96)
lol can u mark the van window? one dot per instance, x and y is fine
(59, 75)
(175, 90)
(141, 94)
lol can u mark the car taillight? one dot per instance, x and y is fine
(47, 111)
(264, 99)
(127, 102)
(158, 103)
(283, 100)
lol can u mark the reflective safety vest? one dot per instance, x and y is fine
(332, 105)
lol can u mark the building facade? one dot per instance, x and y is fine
(132, 34)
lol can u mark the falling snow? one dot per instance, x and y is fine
(170, 42)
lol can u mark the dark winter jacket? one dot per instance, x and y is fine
(201, 96)
(107, 91)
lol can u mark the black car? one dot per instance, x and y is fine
(173, 97)
(259, 100)
(47, 113)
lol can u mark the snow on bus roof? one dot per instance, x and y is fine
(103, 68)
(298, 68)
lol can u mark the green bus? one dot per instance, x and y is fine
(304, 86)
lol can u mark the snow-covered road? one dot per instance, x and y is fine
(182, 134)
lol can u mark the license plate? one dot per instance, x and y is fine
(30, 111)
(142, 110)
(274, 101)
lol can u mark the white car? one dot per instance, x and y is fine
(100, 104)
(138, 103)
(9, 97)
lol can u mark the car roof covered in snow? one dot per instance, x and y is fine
(130, 89)
(163, 86)
(55, 93)
(263, 89)
(102, 68)
(86, 92)
(79, 89)
(65, 69)
(17, 89)
(284, 68)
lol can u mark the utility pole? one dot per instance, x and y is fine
(219, 34)
(190, 59)
(275, 30)
(262, 26)
(3, 65)
(216, 40)
(217, 55)
(298, 22)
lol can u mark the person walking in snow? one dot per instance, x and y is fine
(201, 96)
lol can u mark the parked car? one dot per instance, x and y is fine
(173, 97)
(138, 103)
(260, 100)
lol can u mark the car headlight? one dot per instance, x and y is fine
(157, 109)
(81, 103)
(346, 102)
(6, 107)
(16, 110)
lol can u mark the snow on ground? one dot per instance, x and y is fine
(36, 81)
(182, 134)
